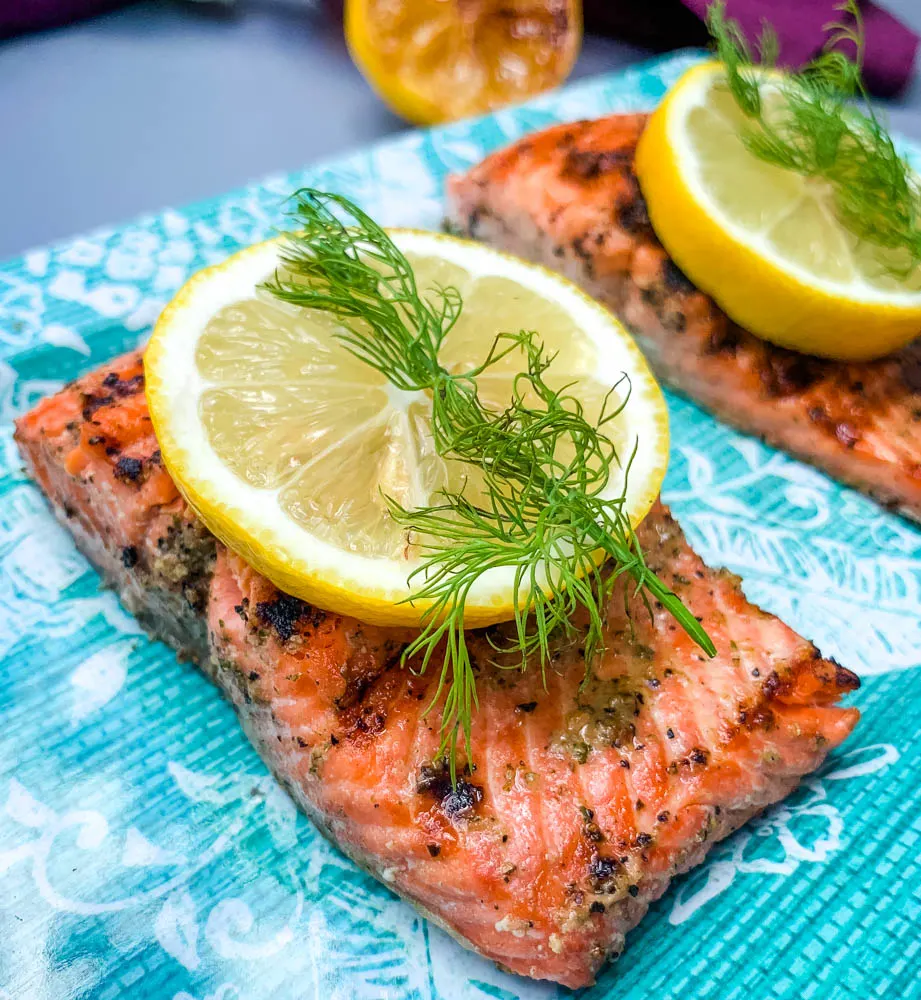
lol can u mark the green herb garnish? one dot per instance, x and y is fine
(824, 127)
(544, 515)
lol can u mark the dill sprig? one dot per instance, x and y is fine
(825, 127)
(544, 466)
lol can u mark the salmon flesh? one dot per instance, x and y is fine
(568, 198)
(579, 803)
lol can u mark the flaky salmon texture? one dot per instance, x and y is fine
(579, 803)
(568, 197)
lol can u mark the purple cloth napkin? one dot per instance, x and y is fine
(801, 25)
(29, 15)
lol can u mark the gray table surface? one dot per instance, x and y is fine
(161, 104)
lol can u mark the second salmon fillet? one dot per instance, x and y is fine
(580, 800)
(568, 198)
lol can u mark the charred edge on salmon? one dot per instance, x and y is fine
(128, 469)
(284, 613)
(845, 680)
(786, 373)
(131, 469)
(724, 338)
(358, 682)
(910, 368)
(675, 279)
(370, 691)
(586, 165)
(456, 801)
(118, 389)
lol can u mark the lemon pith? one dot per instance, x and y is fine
(764, 242)
(347, 559)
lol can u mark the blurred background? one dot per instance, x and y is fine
(110, 110)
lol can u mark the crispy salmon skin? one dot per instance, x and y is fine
(568, 198)
(579, 802)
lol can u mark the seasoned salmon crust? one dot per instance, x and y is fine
(579, 802)
(568, 197)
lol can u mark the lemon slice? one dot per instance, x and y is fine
(765, 242)
(285, 443)
(438, 60)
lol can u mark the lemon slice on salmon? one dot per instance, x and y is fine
(286, 444)
(765, 242)
(439, 60)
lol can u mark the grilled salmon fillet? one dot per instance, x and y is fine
(92, 450)
(578, 804)
(568, 198)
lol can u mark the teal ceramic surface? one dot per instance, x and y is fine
(146, 853)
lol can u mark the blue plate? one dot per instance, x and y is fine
(146, 853)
